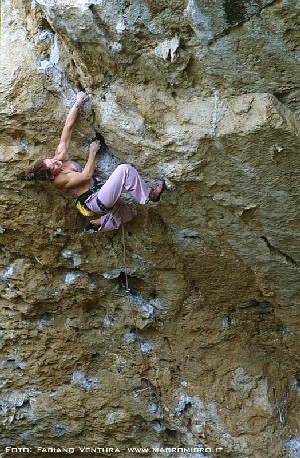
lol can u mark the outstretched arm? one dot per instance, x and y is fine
(61, 152)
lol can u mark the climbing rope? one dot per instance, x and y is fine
(127, 289)
(145, 368)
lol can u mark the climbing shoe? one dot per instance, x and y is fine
(156, 192)
(90, 227)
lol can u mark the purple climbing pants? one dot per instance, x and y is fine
(125, 177)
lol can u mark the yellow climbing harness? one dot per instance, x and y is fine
(84, 211)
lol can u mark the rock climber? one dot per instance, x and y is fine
(92, 197)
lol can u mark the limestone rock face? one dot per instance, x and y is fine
(201, 356)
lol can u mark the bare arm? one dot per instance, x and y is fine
(72, 179)
(61, 152)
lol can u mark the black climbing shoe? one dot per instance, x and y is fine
(90, 227)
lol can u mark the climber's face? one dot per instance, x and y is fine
(54, 166)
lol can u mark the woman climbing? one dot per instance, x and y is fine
(92, 198)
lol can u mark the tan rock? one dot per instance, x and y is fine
(201, 353)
